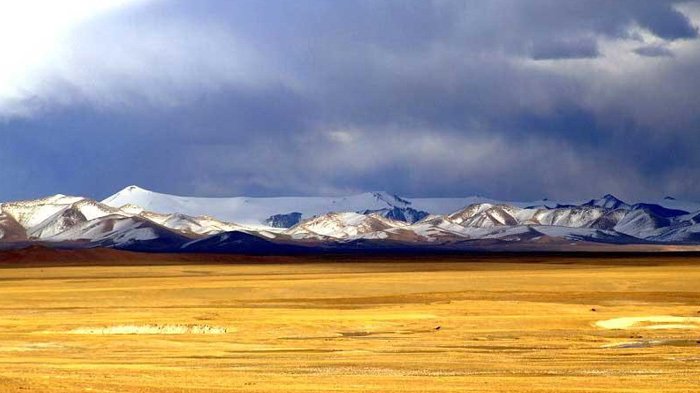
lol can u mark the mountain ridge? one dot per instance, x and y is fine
(141, 220)
(228, 208)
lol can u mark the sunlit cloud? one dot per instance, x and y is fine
(33, 36)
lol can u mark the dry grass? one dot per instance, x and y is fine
(351, 327)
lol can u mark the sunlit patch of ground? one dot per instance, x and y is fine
(151, 329)
(651, 322)
(583, 326)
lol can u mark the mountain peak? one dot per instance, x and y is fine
(133, 195)
(128, 192)
(133, 188)
(391, 199)
(611, 197)
(608, 201)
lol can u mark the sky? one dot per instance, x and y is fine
(511, 99)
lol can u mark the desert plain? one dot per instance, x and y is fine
(430, 324)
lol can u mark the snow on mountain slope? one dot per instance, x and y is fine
(199, 225)
(503, 233)
(202, 225)
(132, 210)
(641, 223)
(523, 233)
(33, 212)
(250, 211)
(569, 217)
(75, 213)
(135, 233)
(61, 221)
(617, 223)
(584, 234)
(346, 225)
(679, 234)
(469, 212)
(608, 201)
(667, 207)
(486, 215)
(438, 229)
(446, 206)
(405, 214)
(693, 217)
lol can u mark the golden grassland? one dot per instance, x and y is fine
(473, 325)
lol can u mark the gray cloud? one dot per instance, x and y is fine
(665, 21)
(585, 48)
(654, 51)
(505, 98)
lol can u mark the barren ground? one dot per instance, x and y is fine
(550, 325)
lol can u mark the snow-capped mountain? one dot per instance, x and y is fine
(255, 211)
(61, 218)
(137, 219)
(118, 231)
(252, 211)
(32, 213)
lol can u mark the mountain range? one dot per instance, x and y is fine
(142, 220)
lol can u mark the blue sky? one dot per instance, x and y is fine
(507, 98)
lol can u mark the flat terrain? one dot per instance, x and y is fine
(482, 324)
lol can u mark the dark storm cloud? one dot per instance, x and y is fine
(664, 21)
(508, 98)
(578, 49)
(653, 51)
